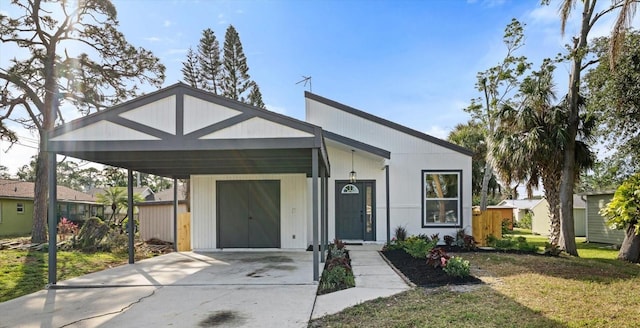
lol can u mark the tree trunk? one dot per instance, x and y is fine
(551, 189)
(567, 237)
(40, 193)
(630, 248)
(488, 171)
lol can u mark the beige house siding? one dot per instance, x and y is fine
(156, 221)
(597, 229)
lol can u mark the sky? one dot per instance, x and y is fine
(409, 61)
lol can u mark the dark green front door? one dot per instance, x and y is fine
(355, 210)
(248, 214)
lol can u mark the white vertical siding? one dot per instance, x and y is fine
(293, 209)
(159, 114)
(409, 156)
(257, 128)
(203, 212)
(156, 221)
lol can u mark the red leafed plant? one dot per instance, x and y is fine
(66, 228)
(437, 257)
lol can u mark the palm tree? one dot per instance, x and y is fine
(577, 55)
(531, 138)
(116, 198)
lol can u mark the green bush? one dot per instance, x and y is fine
(417, 247)
(553, 250)
(525, 221)
(457, 267)
(337, 274)
(337, 278)
(508, 243)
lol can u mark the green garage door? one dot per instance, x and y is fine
(248, 214)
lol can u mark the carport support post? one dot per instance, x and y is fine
(175, 214)
(132, 222)
(314, 193)
(52, 219)
(323, 187)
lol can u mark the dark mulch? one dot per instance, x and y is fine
(422, 274)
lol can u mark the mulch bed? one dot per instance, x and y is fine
(422, 274)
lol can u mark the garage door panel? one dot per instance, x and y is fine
(264, 209)
(233, 214)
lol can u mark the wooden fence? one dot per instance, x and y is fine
(486, 223)
(184, 232)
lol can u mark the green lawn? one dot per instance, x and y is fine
(25, 272)
(595, 290)
(585, 250)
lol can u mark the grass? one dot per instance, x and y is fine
(595, 290)
(24, 272)
(585, 250)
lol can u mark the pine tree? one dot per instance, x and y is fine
(236, 81)
(255, 97)
(191, 69)
(209, 60)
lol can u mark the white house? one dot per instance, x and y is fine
(260, 179)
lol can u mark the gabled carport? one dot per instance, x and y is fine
(181, 131)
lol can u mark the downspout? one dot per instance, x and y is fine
(386, 173)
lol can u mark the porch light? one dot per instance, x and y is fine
(352, 174)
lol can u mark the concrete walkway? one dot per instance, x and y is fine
(230, 289)
(374, 279)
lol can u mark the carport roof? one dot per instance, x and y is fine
(179, 131)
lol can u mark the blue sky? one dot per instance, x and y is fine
(412, 62)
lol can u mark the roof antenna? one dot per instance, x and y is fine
(306, 79)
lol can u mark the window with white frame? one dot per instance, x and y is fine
(441, 198)
(20, 208)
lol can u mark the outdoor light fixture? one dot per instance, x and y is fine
(352, 174)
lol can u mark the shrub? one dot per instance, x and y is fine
(508, 243)
(417, 247)
(336, 279)
(449, 240)
(115, 242)
(469, 243)
(393, 245)
(437, 257)
(525, 221)
(551, 249)
(66, 228)
(457, 267)
(400, 233)
(339, 244)
(337, 274)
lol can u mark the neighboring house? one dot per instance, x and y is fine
(145, 192)
(540, 220)
(16, 206)
(598, 231)
(260, 179)
(156, 216)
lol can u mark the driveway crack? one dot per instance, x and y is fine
(110, 313)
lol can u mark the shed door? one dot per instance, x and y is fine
(248, 214)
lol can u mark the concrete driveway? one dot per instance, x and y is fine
(230, 289)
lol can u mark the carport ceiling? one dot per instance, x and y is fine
(179, 131)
